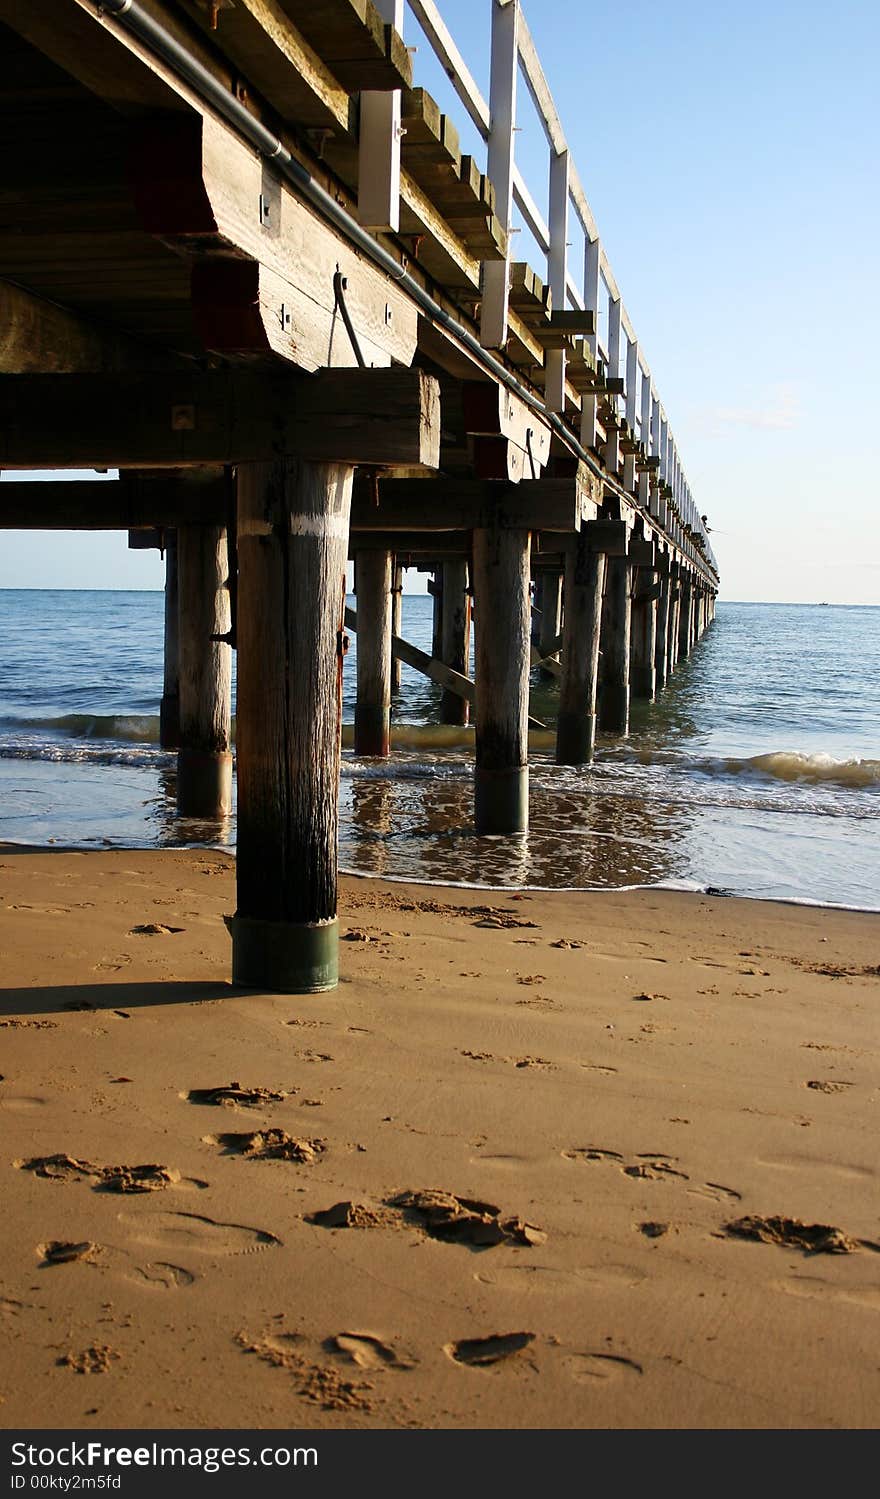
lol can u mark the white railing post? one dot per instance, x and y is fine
(632, 377)
(592, 257)
(502, 118)
(612, 437)
(379, 146)
(557, 265)
(664, 465)
(645, 440)
(655, 453)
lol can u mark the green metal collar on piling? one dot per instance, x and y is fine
(285, 957)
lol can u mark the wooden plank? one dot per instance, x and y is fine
(384, 417)
(259, 37)
(528, 294)
(359, 47)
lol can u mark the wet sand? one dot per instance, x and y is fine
(565, 1160)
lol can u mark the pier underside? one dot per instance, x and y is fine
(205, 284)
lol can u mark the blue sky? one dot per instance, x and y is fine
(730, 155)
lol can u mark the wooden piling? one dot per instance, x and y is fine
(501, 598)
(674, 618)
(293, 545)
(584, 585)
(456, 637)
(685, 621)
(396, 622)
(435, 588)
(663, 622)
(204, 760)
(169, 708)
(615, 645)
(551, 618)
(644, 634)
(372, 714)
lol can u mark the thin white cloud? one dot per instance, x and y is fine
(779, 411)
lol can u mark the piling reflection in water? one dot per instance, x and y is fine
(419, 825)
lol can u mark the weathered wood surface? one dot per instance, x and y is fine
(38, 337)
(456, 637)
(396, 621)
(372, 714)
(169, 708)
(664, 614)
(261, 39)
(551, 619)
(644, 634)
(204, 761)
(292, 544)
(502, 660)
(388, 417)
(615, 646)
(584, 584)
(456, 505)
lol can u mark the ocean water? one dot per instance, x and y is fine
(757, 771)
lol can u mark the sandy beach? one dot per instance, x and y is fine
(566, 1160)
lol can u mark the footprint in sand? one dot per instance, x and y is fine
(66, 1252)
(155, 929)
(715, 1192)
(791, 1233)
(269, 1145)
(550, 1280)
(592, 1366)
(160, 1275)
(812, 1288)
(366, 1351)
(195, 1233)
(234, 1095)
(481, 1353)
(149, 1177)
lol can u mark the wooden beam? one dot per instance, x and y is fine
(384, 417)
(87, 46)
(492, 410)
(39, 337)
(461, 505)
(609, 536)
(111, 505)
(202, 190)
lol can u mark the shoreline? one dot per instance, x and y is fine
(615, 1077)
(711, 892)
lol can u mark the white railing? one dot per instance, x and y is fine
(513, 55)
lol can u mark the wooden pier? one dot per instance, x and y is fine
(244, 261)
